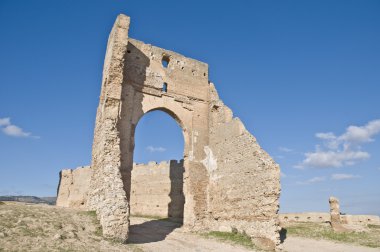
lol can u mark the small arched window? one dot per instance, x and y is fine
(165, 61)
(165, 87)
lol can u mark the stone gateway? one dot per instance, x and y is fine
(229, 181)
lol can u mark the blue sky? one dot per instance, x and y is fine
(297, 73)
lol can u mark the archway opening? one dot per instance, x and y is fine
(158, 169)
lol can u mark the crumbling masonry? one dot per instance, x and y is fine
(229, 182)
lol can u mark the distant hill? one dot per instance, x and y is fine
(30, 199)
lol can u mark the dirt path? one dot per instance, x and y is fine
(163, 236)
(298, 244)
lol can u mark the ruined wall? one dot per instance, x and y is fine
(360, 219)
(229, 181)
(185, 100)
(73, 187)
(157, 189)
(315, 217)
(335, 220)
(107, 194)
(244, 186)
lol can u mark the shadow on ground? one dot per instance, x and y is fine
(152, 231)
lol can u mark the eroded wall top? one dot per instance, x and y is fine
(147, 69)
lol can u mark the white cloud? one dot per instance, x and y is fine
(343, 150)
(284, 149)
(326, 136)
(312, 181)
(343, 176)
(326, 159)
(13, 130)
(283, 175)
(5, 121)
(355, 134)
(155, 149)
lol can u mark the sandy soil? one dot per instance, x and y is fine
(163, 236)
(298, 244)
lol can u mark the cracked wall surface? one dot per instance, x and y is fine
(228, 181)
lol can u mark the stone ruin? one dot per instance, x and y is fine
(335, 221)
(339, 222)
(229, 181)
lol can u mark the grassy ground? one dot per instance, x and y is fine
(232, 237)
(31, 227)
(323, 231)
(154, 217)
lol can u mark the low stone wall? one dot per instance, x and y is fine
(315, 217)
(360, 219)
(156, 188)
(305, 217)
(73, 187)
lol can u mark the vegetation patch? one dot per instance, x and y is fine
(153, 217)
(324, 231)
(99, 230)
(374, 226)
(2, 203)
(89, 213)
(95, 221)
(173, 220)
(232, 237)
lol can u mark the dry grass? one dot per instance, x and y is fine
(323, 231)
(154, 217)
(232, 237)
(29, 227)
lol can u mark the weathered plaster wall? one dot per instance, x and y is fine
(157, 189)
(73, 187)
